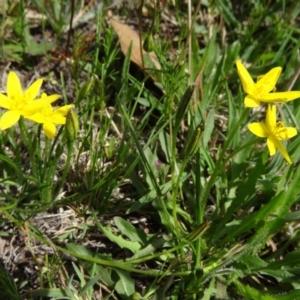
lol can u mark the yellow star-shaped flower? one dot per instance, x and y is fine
(261, 90)
(19, 103)
(274, 132)
(49, 117)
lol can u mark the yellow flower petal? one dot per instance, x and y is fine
(280, 97)
(49, 129)
(58, 119)
(287, 133)
(33, 108)
(64, 109)
(291, 132)
(4, 101)
(261, 91)
(251, 101)
(284, 153)
(271, 117)
(50, 99)
(32, 92)
(58, 115)
(37, 117)
(14, 87)
(37, 105)
(281, 149)
(271, 143)
(9, 119)
(259, 129)
(25, 104)
(247, 81)
(267, 82)
(274, 132)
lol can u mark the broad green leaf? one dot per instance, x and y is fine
(293, 216)
(39, 48)
(209, 291)
(155, 243)
(293, 295)
(118, 239)
(83, 251)
(53, 293)
(125, 286)
(250, 293)
(253, 262)
(280, 274)
(134, 234)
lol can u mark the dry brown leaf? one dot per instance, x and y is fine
(126, 37)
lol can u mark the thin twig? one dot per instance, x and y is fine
(70, 26)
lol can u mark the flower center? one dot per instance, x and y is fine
(47, 112)
(280, 131)
(18, 101)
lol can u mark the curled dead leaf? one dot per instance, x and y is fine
(126, 37)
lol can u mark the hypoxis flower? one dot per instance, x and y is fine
(21, 103)
(274, 132)
(261, 90)
(49, 117)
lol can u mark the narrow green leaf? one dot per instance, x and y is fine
(182, 107)
(196, 58)
(253, 220)
(209, 127)
(192, 144)
(291, 259)
(232, 54)
(244, 193)
(89, 286)
(79, 274)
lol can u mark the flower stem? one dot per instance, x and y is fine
(66, 167)
(30, 146)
